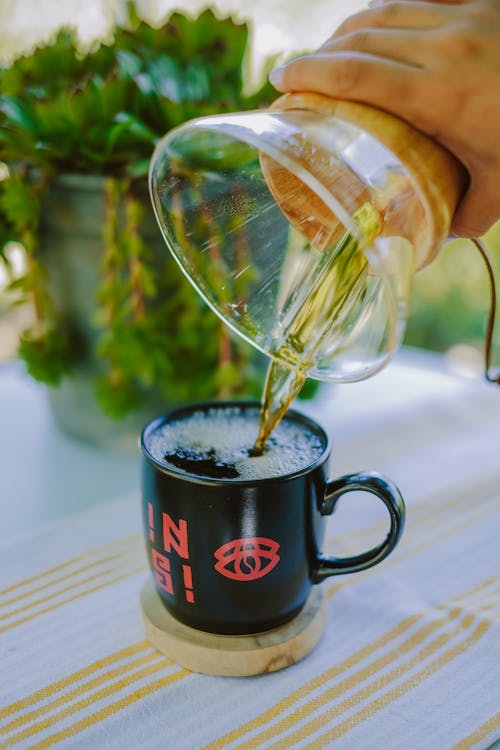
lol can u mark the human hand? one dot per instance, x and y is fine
(435, 65)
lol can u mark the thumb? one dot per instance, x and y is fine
(478, 210)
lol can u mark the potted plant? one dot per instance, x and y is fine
(118, 333)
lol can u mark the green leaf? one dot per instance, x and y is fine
(48, 355)
(16, 113)
(18, 203)
(102, 111)
(131, 124)
(130, 64)
(139, 168)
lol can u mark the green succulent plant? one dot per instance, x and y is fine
(102, 112)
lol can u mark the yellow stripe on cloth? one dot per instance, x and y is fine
(337, 711)
(100, 715)
(124, 560)
(479, 734)
(404, 554)
(426, 523)
(55, 687)
(89, 701)
(83, 687)
(432, 507)
(40, 612)
(124, 541)
(326, 740)
(107, 711)
(339, 669)
(55, 581)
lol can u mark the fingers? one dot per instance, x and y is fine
(404, 46)
(397, 15)
(479, 209)
(395, 31)
(378, 3)
(354, 76)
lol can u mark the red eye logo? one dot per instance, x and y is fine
(247, 559)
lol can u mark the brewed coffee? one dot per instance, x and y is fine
(217, 443)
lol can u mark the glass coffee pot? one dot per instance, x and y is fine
(303, 225)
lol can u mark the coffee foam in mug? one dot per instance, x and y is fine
(226, 435)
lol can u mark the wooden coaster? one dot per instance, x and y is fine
(232, 655)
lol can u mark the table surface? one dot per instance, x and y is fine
(410, 656)
(46, 475)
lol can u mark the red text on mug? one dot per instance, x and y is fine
(175, 540)
(247, 559)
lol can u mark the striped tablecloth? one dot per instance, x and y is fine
(410, 657)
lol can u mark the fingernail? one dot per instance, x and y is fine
(277, 76)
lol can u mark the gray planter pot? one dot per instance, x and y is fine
(71, 246)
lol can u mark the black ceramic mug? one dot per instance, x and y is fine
(234, 555)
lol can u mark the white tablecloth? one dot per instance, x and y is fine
(410, 657)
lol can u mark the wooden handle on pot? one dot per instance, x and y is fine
(438, 179)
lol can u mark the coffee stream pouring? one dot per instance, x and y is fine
(302, 226)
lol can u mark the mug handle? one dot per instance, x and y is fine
(384, 489)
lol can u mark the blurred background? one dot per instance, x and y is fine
(451, 297)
